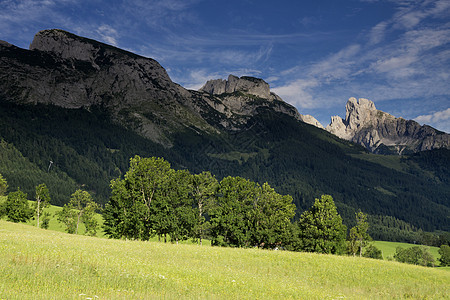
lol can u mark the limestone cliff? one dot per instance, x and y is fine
(66, 70)
(246, 94)
(381, 132)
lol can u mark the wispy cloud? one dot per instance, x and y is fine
(440, 119)
(405, 56)
(108, 34)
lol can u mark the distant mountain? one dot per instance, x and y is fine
(382, 133)
(88, 107)
(232, 90)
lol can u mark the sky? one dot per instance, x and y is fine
(314, 54)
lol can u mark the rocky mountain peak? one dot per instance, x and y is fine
(381, 132)
(359, 112)
(249, 85)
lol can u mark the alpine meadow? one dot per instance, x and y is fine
(133, 187)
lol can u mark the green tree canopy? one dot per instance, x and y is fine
(42, 201)
(151, 199)
(81, 208)
(321, 228)
(444, 251)
(372, 251)
(203, 187)
(359, 237)
(415, 255)
(17, 208)
(3, 185)
(246, 215)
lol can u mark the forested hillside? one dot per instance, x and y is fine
(73, 111)
(88, 150)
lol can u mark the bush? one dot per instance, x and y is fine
(444, 251)
(372, 251)
(415, 255)
(16, 207)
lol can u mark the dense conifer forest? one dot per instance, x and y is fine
(68, 149)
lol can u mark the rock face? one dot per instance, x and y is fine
(75, 72)
(245, 84)
(381, 132)
(241, 95)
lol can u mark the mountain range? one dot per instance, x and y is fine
(88, 107)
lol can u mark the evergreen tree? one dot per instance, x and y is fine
(321, 228)
(17, 208)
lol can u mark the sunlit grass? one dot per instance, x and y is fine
(42, 264)
(388, 249)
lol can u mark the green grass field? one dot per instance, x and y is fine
(57, 226)
(388, 249)
(44, 264)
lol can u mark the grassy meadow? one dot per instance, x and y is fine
(54, 224)
(388, 249)
(43, 264)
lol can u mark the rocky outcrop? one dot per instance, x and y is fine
(245, 84)
(244, 95)
(66, 70)
(311, 120)
(381, 132)
(73, 72)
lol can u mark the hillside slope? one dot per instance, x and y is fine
(90, 107)
(44, 264)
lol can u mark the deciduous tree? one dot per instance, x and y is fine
(415, 255)
(444, 251)
(3, 185)
(359, 237)
(81, 208)
(271, 218)
(17, 208)
(230, 214)
(372, 251)
(141, 203)
(203, 186)
(42, 201)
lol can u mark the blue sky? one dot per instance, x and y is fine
(314, 54)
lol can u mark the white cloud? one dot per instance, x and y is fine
(377, 33)
(440, 119)
(336, 66)
(435, 117)
(298, 93)
(107, 34)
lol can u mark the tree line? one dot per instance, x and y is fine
(80, 209)
(153, 199)
(273, 148)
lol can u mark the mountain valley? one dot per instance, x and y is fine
(89, 107)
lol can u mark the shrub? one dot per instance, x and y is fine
(415, 255)
(444, 251)
(372, 251)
